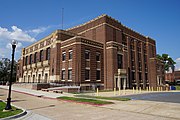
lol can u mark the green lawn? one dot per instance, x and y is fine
(106, 98)
(4, 114)
(85, 100)
(177, 87)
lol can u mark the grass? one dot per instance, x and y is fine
(84, 100)
(177, 87)
(12, 112)
(106, 98)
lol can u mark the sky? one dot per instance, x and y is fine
(28, 21)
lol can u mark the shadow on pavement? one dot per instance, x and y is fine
(41, 107)
(17, 100)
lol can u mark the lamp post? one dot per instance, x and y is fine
(8, 105)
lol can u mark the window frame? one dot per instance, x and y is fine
(87, 78)
(30, 59)
(63, 74)
(69, 74)
(41, 56)
(98, 74)
(64, 56)
(98, 55)
(87, 51)
(35, 57)
(70, 54)
(48, 53)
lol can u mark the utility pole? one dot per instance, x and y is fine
(62, 17)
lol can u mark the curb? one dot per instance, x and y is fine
(15, 116)
(31, 94)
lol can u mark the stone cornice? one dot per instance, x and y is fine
(81, 39)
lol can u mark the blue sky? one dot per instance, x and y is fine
(30, 20)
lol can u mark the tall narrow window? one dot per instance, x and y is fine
(35, 57)
(97, 56)
(133, 75)
(70, 54)
(70, 74)
(87, 74)
(52, 71)
(41, 55)
(26, 61)
(30, 59)
(63, 75)
(119, 61)
(48, 53)
(140, 78)
(87, 54)
(98, 74)
(146, 76)
(63, 56)
(39, 78)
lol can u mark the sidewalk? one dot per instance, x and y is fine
(38, 93)
(46, 109)
(33, 116)
(52, 95)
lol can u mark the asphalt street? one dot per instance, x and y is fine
(173, 97)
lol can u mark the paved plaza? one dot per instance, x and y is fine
(49, 108)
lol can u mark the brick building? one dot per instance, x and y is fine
(172, 76)
(100, 53)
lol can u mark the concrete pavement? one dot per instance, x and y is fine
(36, 92)
(125, 110)
(33, 116)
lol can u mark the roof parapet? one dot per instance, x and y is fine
(105, 15)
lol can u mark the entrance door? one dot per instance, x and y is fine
(46, 77)
(39, 78)
(33, 78)
(116, 83)
(28, 78)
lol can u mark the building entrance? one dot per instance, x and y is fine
(120, 79)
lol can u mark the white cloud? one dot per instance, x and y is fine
(21, 35)
(38, 30)
(177, 64)
(178, 59)
(16, 33)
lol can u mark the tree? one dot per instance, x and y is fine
(167, 60)
(5, 70)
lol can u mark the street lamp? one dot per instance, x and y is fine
(8, 105)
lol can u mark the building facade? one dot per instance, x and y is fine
(100, 53)
(172, 76)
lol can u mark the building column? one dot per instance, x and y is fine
(136, 63)
(111, 66)
(143, 66)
